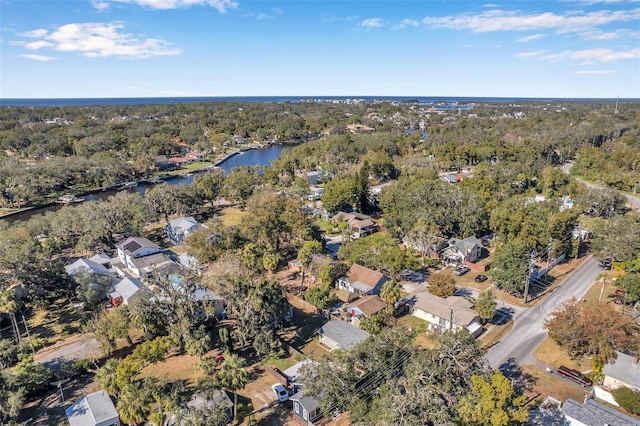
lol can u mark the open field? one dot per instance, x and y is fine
(231, 216)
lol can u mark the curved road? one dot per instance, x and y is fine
(634, 201)
(528, 331)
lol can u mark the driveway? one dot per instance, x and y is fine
(333, 245)
(87, 347)
(528, 331)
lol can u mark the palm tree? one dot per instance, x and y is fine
(106, 376)
(233, 376)
(390, 293)
(133, 404)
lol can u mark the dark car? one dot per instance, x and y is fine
(606, 264)
(480, 278)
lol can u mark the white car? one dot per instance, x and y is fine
(281, 392)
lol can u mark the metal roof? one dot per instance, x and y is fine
(92, 410)
(343, 334)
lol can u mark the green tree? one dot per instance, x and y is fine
(492, 402)
(442, 284)
(317, 296)
(486, 304)
(106, 376)
(339, 194)
(199, 342)
(510, 268)
(31, 375)
(233, 376)
(630, 283)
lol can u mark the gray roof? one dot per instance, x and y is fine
(465, 246)
(592, 413)
(91, 410)
(127, 287)
(183, 223)
(343, 334)
(88, 265)
(292, 372)
(213, 398)
(456, 306)
(155, 260)
(625, 369)
(133, 244)
(307, 402)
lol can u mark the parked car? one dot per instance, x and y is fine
(461, 270)
(575, 376)
(480, 278)
(281, 392)
(606, 264)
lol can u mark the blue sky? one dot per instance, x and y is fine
(174, 48)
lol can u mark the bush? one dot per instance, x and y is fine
(628, 399)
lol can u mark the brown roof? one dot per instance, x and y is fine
(364, 275)
(463, 315)
(349, 216)
(362, 223)
(369, 305)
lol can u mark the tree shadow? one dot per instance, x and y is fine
(521, 381)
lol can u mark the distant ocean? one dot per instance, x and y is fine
(275, 99)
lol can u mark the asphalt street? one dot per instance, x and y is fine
(634, 201)
(528, 331)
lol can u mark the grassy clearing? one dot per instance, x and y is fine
(232, 216)
(552, 354)
(543, 384)
(57, 322)
(418, 329)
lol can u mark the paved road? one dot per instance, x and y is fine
(528, 331)
(634, 201)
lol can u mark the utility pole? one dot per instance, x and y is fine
(532, 259)
(549, 247)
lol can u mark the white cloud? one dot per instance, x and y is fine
(372, 23)
(263, 16)
(595, 72)
(406, 23)
(609, 35)
(100, 5)
(98, 40)
(35, 33)
(500, 20)
(592, 2)
(40, 58)
(221, 5)
(593, 55)
(530, 38)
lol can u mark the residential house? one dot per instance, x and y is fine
(212, 300)
(360, 224)
(126, 292)
(315, 193)
(365, 307)
(313, 177)
(135, 248)
(143, 267)
(362, 281)
(593, 413)
(460, 251)
(92, 267)
(451, 179)
(453, 313)
(102, 259)
(189, 262)
(306, 408)
(341, 335)
(95, 409)
(624, 371)
(215, 398)
(178, 229)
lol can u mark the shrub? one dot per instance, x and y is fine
(628, 399)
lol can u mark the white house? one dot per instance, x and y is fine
(459, 251)
(178, 229)
(593, 413)
(453, 313)
(88, 265)
(134, 248)
(126, 291)
(95, 409)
